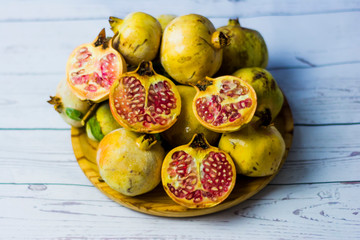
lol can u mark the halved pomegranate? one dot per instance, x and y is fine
(224, 104)
(144, 101)
(198, 175)
(93, 67)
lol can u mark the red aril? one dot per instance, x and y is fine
(144, 101)
(224, 104)
(198, 175)
(93, 67)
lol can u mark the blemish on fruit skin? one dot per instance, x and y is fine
(101, 180)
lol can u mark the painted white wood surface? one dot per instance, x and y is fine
(315, 211)
(313, 47)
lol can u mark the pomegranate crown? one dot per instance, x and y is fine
(145, 68)
(199, 141)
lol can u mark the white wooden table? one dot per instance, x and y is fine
(314, 49)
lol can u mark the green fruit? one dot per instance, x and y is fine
(137, 37)
(191, 49)
(269, 96)
(187, 125)
(256, 151)
(247, 48)
(101, 123)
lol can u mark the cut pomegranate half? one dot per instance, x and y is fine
(224, 104)
(144, 101)
(93, 67)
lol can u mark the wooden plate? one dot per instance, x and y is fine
(157, 202)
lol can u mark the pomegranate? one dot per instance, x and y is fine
(101, 123)
(191, 48)
(137, 37)
(269, 96)
(198, 175)
(69, 106)
(165, 19)
(224, 104)
(256, 150)
(93, 67)
(129, 162)
(187, 125)
(247, 48)
(144, 101)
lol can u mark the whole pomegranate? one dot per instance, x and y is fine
(198, 175)
(187, 125)
(93, 67)
(191, 49)
(101, 123)
(224, 104)
(69, 106)
(130, 163)
(270, 98)
(247, 48)
(137, 37)
(144, 101)
(256, 150)
(165, 19)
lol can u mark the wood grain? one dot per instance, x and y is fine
(84, 10)
(308, 211)
(157, 202)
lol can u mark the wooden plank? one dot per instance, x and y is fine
(316, 211)
(323, 95)
(318, 154)
(41, 10)
(316, 95)
(290, 41)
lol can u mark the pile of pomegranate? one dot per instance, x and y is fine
(174, 100)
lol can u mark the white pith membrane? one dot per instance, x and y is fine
(199, 180)
(93, 72)
(230, 103)
(136, 106)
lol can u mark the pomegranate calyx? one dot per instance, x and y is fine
(101, 38)
(56, 101)
(199, 141)
(114, 23)
(145, 69)
(146, 141)
(219, 40)
(202, 85)
(234, 22)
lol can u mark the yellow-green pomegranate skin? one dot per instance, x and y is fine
(257, 151)
(129, 162)
(187, 125)
(165, 19)
(191, 49)
(269, 96)
(137, 37)
(247, 48)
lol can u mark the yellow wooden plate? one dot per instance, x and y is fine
(157, 202)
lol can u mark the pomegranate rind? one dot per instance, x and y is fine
(198, 156)
(213, 90)
(146, 82)
(90, 68)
